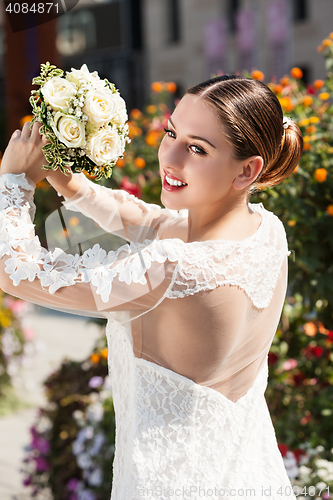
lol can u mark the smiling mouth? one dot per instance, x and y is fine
(174, 182)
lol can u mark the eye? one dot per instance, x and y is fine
(170, 133)
(197, 150)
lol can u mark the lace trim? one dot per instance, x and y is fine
(253, 264)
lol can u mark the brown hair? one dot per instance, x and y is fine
(252, 120)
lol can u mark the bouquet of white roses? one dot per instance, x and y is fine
(84, 119)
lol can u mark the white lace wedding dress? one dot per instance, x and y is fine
(189, 329)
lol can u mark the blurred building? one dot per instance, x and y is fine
(189, 40)
(107, 36)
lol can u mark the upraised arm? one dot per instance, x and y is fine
(133, 277)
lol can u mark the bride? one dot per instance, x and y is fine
(192, 303)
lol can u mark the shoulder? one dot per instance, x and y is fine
(270, 219)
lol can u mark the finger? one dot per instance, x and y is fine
(16, 134)
(35, 130)
(26, 131)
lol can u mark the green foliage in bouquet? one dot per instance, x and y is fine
(53, 151)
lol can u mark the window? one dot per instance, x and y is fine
(174, 21)
(233, 7)
(300, 10)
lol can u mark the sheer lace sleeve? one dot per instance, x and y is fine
(133, 277)
(118, 211)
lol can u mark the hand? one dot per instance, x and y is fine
(24, 153)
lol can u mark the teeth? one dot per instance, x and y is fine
(173, 182)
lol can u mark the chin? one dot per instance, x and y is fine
(172, 204)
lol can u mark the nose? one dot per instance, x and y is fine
(170, 155)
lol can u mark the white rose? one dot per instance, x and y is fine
(57, 92)
(104, 146)
(69, 130)
(84, 75)
(100, 106)
(120, 117)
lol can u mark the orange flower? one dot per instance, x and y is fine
(95, 357)
(295, 169)
(151, 109)
(307, 147)
(41, 184)
(314, 119)
(134, 131)
(258, 75)
(157, 87)
(323, 108)
(286, 103)
(331, 35)
(307, 101)
(278, 89)
(296, 73)
(74, 221)
(291, 223)
(311, 129)
(320, 48)
(151, 138)
(320, 174)
(324, 96)
(104, 352)
(304, 122)
(327, 42)
(318, 84)
(171, 87)
(306, 138)
(136, 114)
(321, 328)
(284, 81)
(306, 419)
(329, 210)
(120, 163)
(139, 162)
(310, 329)
(25, 119)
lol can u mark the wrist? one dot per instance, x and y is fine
(66, 185)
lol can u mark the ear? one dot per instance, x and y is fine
(250, 171)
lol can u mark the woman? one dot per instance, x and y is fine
(188, 375)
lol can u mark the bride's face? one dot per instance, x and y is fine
(194, 151)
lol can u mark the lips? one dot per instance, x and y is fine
(173, 178)
(177, 183)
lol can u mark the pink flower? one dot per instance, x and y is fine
(28, 333)
(131, 188)
(290, 364)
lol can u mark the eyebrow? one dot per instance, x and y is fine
(195, 136)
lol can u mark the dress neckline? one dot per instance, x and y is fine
(255, 207)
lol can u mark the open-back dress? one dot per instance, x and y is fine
(189, 328)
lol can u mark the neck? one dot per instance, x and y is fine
(230, 220)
